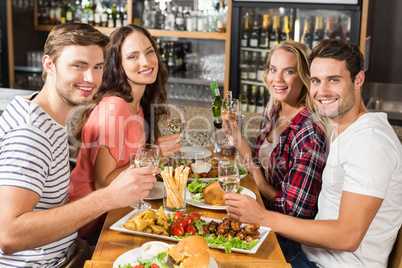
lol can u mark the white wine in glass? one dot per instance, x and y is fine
(146, 155)
(228, 176)
(229, 114)
(176, 122)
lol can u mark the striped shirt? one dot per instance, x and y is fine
(34, 156)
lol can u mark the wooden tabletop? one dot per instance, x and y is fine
(112, 243)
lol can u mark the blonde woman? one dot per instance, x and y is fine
(291, 149)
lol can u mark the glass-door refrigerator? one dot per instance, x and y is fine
(5, 43)
(257, 26)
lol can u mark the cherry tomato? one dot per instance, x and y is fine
(153, 265)
(184, 222)
(177, 229)
(204, 175)
(138, 266)
(178, 215)
(195, 215)
(190, 230)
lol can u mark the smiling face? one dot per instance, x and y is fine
(283, 79)
(332, 88)
(139, 59)
(78, 73)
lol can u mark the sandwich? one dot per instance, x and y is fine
(213, 195)
(190, 252)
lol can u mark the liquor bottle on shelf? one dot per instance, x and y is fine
(146, 15)
(307, 37)
(221, 22)
(169, 18)
(216, 106)
(252, 99)
(347, 34)
(273, 35)
(291, 28)
(252, 71)
(246, 31)
(244, 66)
(104, 17)
(285, 30)
(337, 32)
(260, 100)
(63, 18)
(180, 19)
(125, 16)
(243, 98)
(119, 16)
(261, 66)
(91, 12)
(264, 34)
(328, 26)
(98, 14)
(70, 12)
(255, 34)
(318, 31)
(171, 58)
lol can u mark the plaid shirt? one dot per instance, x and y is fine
(296, 164)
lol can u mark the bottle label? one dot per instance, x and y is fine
(251, 108)
(252, 76)
(259, 109)
(217, 92)
(260, 74)
(253, 42)
(243, 107)
(244, 42)
(264, 42)
(244, 75)
(272, 43)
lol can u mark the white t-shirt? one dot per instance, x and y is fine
(34, 156)
(264, 155)
(364, 159)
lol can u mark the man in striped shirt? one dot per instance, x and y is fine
(37, 224)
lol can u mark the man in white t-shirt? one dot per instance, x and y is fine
(360, 204)
(37, 224)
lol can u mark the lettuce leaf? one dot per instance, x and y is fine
(159, 260)
(196, 186)
(229, 242)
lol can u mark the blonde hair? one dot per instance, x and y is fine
(302, 54)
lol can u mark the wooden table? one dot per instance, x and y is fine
(112, 244)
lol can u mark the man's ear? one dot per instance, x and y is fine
(48, 64)
(359, 79)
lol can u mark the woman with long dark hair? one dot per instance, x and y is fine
(125, 112)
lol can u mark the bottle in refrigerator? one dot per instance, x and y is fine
(252, 71)
(273, 35)
(243, 98)
(260, 100)
(246, 31)
(307, 37)
(285, 30)
(318, 31)
(216, 106)
(255, 35)
(264, 34)
(328, 26)
(337, 32)
(261, 66)
(252, 99)
(244, 66)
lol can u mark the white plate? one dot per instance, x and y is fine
(133, 256)
(194, 153)
(118, 226)
(201, 203)
(156, 192)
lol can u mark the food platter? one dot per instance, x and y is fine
(194, 153)
(201, 203)
(118, 226)
(133, 256)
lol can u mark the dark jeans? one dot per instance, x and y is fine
(295, 256)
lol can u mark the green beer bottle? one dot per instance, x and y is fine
(216, 106)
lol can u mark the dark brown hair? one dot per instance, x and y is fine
(340, 50)
(72, 34)
(115, 83)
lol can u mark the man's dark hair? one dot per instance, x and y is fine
(340, 50)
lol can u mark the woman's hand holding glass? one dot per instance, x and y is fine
(228, 176)
(146, 155)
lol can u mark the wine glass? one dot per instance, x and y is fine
(229, 114)
(146, 155)
(176, 121)
(228, 176)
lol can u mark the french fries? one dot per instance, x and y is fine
(174, 186)
(149, 221)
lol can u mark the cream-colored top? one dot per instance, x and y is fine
(265, 153)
